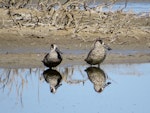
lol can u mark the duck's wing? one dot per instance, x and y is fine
(89, 55)
(46, 58)
(59, 55)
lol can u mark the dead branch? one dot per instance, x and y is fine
(74, 14)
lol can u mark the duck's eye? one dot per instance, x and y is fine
(52, 45)
(100, 41)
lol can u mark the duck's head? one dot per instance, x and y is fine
(100, 42)
(52, 89)
(98, 88)
(54, 47)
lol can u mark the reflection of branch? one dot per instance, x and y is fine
(76, 81)
(6, 80)
(68, 76)
(112, 2)
(125, 5)
(14, 80)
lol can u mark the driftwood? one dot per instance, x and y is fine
(73, 14)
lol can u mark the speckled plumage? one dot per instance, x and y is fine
(97, 77)
(97, 54)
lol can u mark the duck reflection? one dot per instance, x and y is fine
(54, 78)
(98, 78)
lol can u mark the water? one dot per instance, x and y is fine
(135, 7)
(26, 91)
(132, 6)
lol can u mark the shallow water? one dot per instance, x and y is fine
(132, 6)
(135, 7)
(121, 88)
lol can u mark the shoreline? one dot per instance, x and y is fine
(27, 37)
(31, 60)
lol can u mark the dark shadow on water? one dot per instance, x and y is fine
(54, 79)
(98, 77)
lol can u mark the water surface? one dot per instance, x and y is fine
(133, 6)
(27, 91)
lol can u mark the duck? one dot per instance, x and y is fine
(98, 53)
(53, 58)
(53, 78)
(98, 77)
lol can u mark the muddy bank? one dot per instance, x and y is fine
(27, 47)
(30, 60)
(26, 35)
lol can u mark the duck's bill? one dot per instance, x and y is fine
(59, 51)
(107, 47)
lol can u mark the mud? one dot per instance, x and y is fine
(28, 51)
(26, 46)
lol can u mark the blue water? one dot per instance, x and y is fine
(134, 7)
(26, 91)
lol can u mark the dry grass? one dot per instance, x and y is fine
(73, 17)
